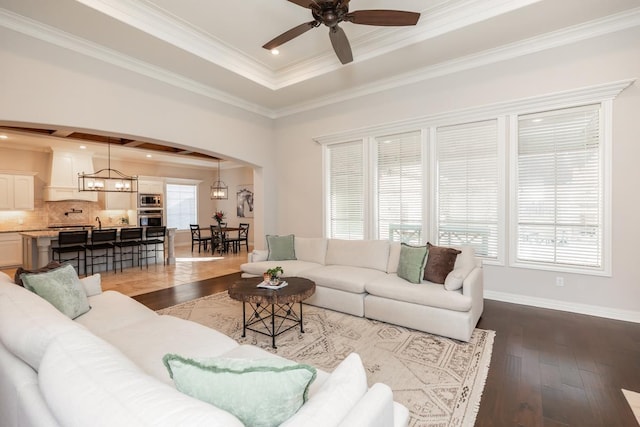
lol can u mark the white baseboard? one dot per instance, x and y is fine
(592, 310)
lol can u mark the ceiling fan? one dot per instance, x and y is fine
(333, 12)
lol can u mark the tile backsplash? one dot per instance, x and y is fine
(47, 214)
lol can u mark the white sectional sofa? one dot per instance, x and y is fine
(105, 368)
(359, 277)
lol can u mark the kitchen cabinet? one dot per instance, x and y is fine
(148, 186)
(16, 192)
(10, 249)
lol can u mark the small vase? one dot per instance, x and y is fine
(266, 277)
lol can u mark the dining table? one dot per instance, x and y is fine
(224, 232)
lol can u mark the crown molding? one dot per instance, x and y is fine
(580, 96)
(603, 26)
(164, 26)
(592, 29)
(59, 38)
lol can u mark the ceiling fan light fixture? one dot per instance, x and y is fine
(275, 52)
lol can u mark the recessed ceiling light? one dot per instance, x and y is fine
(149, 156)
(82, 147)
(275, 52)
(4, 137)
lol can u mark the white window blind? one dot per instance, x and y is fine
(181, 206)
(399, 187)
(468, 186)
(559, 188)
(346, 191)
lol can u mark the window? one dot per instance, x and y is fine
(346, 191)
(559, 184)
(182, 205)
(399, 188)
(468, 186)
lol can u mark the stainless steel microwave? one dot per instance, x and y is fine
(149, 200)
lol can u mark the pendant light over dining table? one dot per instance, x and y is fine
(108, 180)
(219, 190)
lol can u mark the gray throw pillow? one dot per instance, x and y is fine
(411, 265)
(60, 287)
(281, 248)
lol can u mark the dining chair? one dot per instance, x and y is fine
(197, 237)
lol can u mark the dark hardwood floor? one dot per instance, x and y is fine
(548, 368)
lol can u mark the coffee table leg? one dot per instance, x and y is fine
(301, 327)
(244, 320)
(273, 327)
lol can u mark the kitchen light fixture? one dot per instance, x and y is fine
(219, 190)
(108, 180)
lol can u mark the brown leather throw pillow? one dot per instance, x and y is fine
(51, 266)
(440, 262)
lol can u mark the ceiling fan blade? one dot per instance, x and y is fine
(388, 18)
(340, 44)
(291, 34)
(309, 4)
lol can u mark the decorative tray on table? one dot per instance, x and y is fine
(272, 285)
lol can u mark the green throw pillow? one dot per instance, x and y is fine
(411, 266)
(259, 392)
(281, 248)
(61, 287)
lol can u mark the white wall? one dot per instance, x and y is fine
(602, 60)
(45, 84)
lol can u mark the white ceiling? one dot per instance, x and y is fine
(213, 47)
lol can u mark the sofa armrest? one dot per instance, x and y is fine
(473, 286)
(374, 409)
(258, 255)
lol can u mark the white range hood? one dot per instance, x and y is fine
(63, 180)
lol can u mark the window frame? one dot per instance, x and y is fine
(605, 152)
(183, 182)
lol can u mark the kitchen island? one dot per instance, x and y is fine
(36, 247)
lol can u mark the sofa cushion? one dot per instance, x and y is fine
(281, 247)
(261, 393)
(29, 323)
(292, 268)
(92, 284)
(394, 257)
(465, 263)
(343, 278)
(62, 288)
(411, 264)
(428, 294)
(311, 249)
(147, 341)
(340, 392)
(87, 382)
(19, 271)
(113, 311)
(358, 253)
(440, 262)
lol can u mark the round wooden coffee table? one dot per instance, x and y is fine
(271, 304)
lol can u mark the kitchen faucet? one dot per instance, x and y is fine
(99, 223)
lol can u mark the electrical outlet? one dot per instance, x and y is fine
(559, 281)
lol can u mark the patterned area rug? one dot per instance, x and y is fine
(633, 399)
(440, 380)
